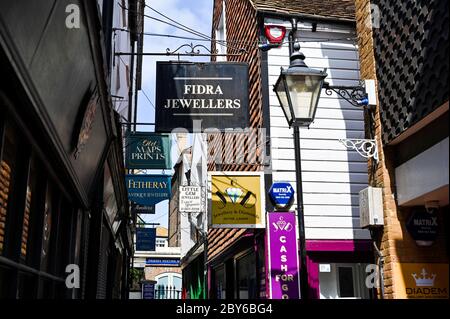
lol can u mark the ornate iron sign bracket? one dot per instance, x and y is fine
(355, 95)
(366, 148)
(195, 50)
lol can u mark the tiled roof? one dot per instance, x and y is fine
(339, 9)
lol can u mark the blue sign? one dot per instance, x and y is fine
(282, 194)
(162, 262)
(145, 239)
(148, 290)
(148, 190)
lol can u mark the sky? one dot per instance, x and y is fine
(195, 14)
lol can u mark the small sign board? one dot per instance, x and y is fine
(282, 194)
(169, 262)
(148, 290)
(143, 209)
(422, 225)
(191, 199)
(145, 239)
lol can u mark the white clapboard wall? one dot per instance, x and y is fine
(332, 175)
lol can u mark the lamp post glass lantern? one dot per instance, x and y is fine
(298, 89)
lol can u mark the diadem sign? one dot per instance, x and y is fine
(214, 93)
(421, 281)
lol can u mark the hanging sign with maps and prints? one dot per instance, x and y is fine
(148, 151)
(214, 93)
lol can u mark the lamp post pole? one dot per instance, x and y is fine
(298, 172)
(300, 215)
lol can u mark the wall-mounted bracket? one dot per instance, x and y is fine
(366, 148)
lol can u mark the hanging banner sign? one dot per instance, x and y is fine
(283, 260)
(214, 93)
(148, 151)
(148, 190)
(238, 200)
(421, 281)
(145, 239)
(190, 199)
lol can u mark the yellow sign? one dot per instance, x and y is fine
(237, 200)
(421, 281)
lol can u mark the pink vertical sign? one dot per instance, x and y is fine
(282, 256)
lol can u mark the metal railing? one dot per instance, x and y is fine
(167, 292)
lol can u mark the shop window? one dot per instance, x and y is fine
(246, 277)
(161, 243)
(31, 186)
(345, 281)
(32, 230)
(109, 196)
(7, 171)
(219, 280)
(46, 232)
(339, 281)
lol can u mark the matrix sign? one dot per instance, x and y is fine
(214, 93)
(190, 199)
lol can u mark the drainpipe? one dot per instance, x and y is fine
(380, 267)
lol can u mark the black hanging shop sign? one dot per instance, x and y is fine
(214, 93)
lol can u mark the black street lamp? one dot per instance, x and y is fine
(298, 89)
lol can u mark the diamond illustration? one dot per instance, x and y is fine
(281, 223)
(234, 194)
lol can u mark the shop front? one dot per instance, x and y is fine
(63, 202)
(239, 272)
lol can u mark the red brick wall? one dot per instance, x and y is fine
(396, 244)
(242, 33)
